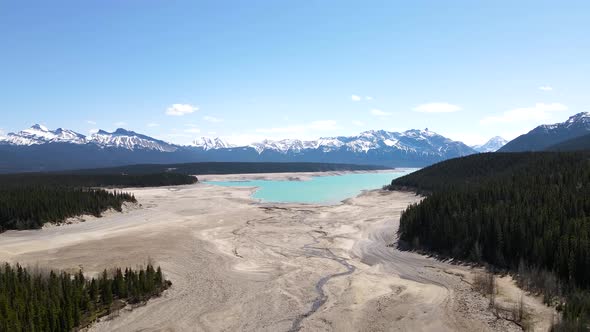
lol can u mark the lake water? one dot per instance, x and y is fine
(320, 190)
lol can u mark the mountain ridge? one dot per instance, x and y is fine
(41, 149)
(544, 136)
(408, 140)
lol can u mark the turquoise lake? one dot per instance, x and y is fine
(319, 190)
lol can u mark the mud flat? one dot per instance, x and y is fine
(237, 265)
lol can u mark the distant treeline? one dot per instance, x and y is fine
(474, 170)
(27, 201)
(96, 179)
(29, 207)
(58, 301)
(231, 168)
(528, 212)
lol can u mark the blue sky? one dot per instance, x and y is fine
(245, 70)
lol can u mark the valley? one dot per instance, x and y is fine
(295, 166)
(239, 265)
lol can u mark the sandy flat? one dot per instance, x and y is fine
(237, 265)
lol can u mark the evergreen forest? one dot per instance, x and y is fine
(29, 200)
(524, 212)
(59, 301)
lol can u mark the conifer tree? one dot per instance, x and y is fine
(60, 301)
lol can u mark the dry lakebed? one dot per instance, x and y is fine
(240, 265)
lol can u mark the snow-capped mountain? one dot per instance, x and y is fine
(207, 143)
(39, 134)
(545, 136)
(130, 140)
(493, 145)
(283, 146)
(576, 121)
(421, 142)
(121, 138)
(39, 148)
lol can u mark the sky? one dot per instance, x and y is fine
(249, 70)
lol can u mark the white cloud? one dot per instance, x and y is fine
(93, 131)
(437, 108)
(545, 88)
(1, 132)
(360, 98)
(323, 125)
(538, 112)
(90, 122)
(212, 133)
(377, 112)
(192, 130)
(358, 123)
(212, 119)
(120, 123)
(152, 125)
(181, 109)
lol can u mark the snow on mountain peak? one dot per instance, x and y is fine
(422, 142)
(425, 141)
(124, 132)
(120, 138)
(39, 127)
(39, 131)
(207, 143)
(39, 134)
(130, 140)
(420, 134)
(583, 117)
(493, 145)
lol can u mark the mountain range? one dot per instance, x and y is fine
(545, 137)
(121, 138)
(41, 149)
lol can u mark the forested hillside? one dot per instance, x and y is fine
(470, 170)
(58, 301)
(528, 212)
(97, 178)
(581, 143)
(230, 168)
(27, 201)
(29, 207)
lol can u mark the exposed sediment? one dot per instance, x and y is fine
(239, 265)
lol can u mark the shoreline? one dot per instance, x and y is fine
(287, 176)
(290, 176)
